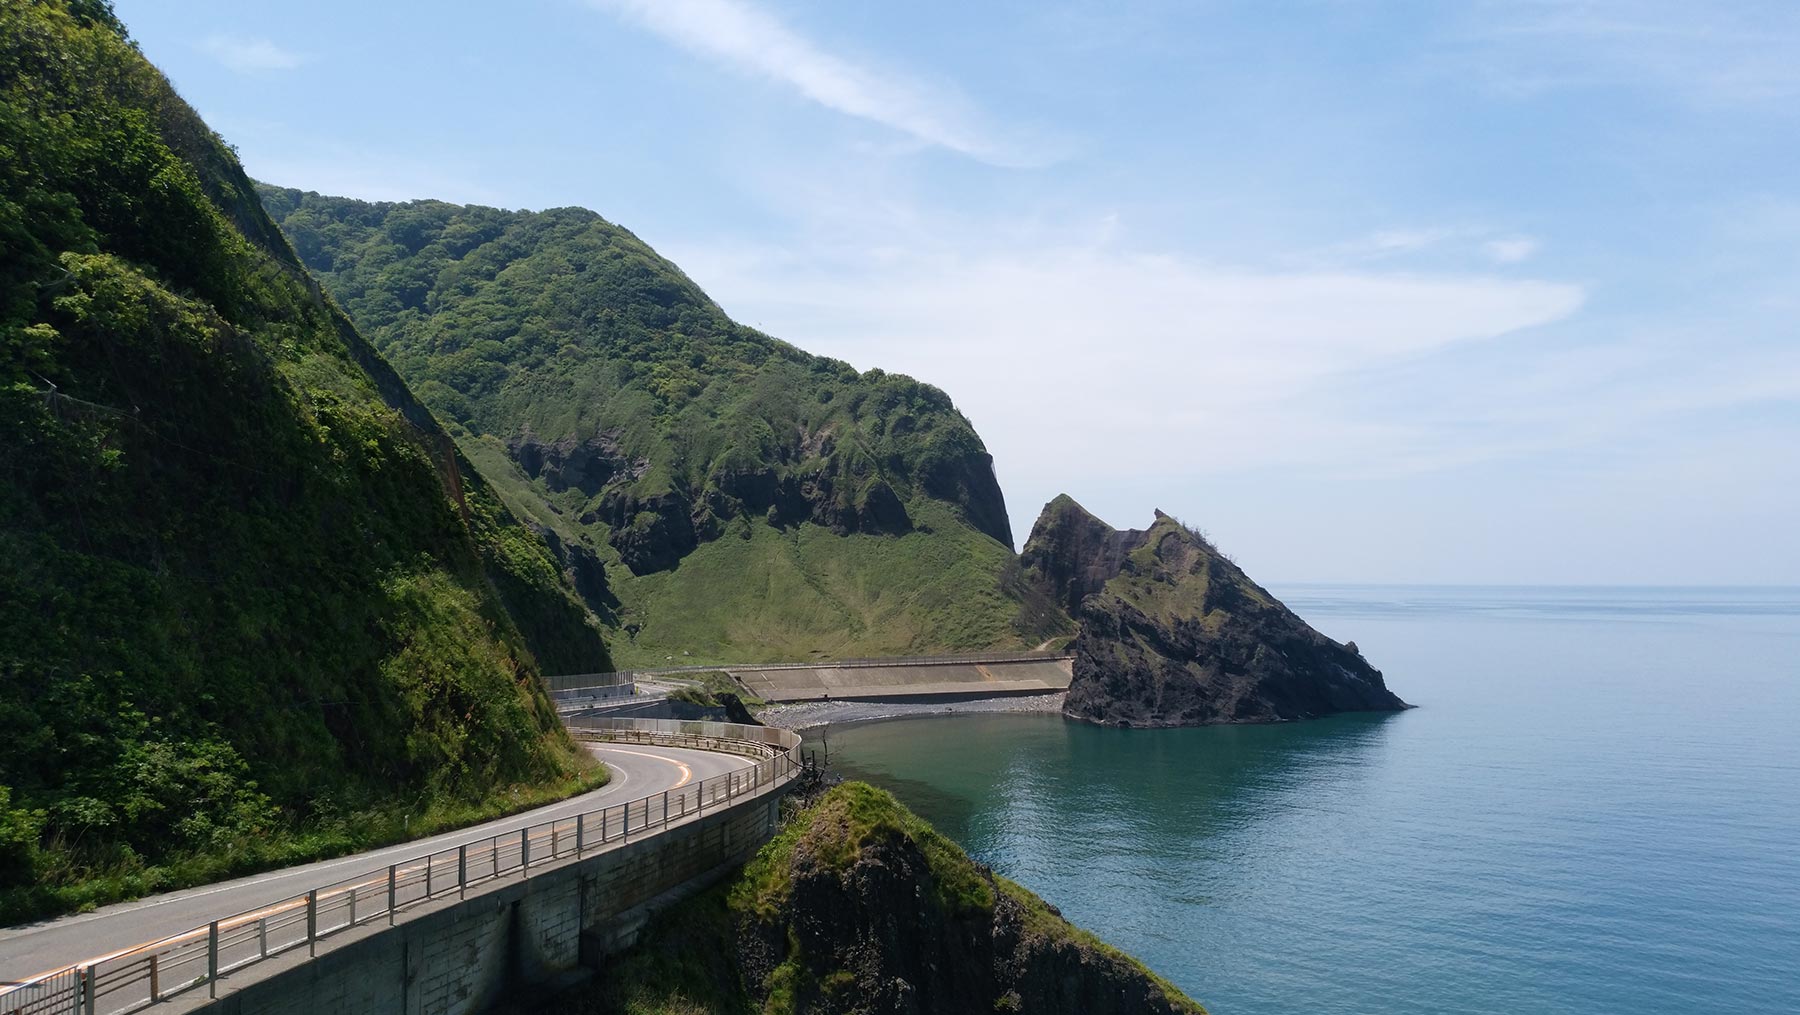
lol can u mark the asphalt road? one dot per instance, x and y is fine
(638, 770)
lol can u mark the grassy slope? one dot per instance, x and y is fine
(807, 593)
(561, 326)
(1172, 577)
(254, 607)
(685, 962)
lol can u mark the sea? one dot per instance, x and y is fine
(1594, 808)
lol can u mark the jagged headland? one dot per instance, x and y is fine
(1173, 633)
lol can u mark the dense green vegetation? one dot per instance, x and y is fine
(860, 851)
(254, 607)
(749, 502)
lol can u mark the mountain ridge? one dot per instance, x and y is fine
(618, 408)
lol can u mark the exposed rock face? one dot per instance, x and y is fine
(1072, 554)
(1172, 633)
(885, 915)
(584, 570)
(587, 465)
(651, 533)
(967, 479)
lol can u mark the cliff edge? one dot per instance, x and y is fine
(860, 906)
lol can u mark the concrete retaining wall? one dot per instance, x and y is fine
(924, 681)
(524, 937)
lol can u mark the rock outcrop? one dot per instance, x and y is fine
(860, 906)
(1172, 633)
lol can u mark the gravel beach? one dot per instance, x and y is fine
(808, 714)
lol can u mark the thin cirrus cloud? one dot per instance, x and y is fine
(249, 54)
(752, 41)
(1435, 241)
(1511, 249)
(1711, 53)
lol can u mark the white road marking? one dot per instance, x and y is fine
(624, 777)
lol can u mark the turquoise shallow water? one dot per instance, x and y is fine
(1596, 808)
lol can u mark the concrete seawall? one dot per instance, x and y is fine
(531, 935)
(924, 681)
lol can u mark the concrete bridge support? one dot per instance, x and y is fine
(511, 942)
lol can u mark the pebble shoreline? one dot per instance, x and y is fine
(805, 715)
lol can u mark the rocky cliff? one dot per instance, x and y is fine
(860, 906)
(1173, 633)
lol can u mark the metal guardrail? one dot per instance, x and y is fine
(140, 977)
(596, 693)
(573, 681)
(584, 681)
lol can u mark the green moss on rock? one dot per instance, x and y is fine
(858, 905)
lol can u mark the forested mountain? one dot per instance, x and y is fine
(253, 605)
(745, 500)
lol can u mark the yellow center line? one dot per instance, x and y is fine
(687, 774)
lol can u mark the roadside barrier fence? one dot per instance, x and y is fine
(137, 978)
(583, 681)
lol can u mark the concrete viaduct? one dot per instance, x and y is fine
(444, 926)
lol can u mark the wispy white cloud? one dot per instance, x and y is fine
(1511, 249)
(248, 54)
(1707, 52)
(752, 41)
(1390, 241)
(1442, 242)
(1180, 368)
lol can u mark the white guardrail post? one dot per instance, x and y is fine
(212, 960)
(76, 988)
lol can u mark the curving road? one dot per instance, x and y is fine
(638, 770)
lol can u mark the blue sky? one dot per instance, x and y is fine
(1442, 292)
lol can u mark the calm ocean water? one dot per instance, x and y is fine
(1596, 808)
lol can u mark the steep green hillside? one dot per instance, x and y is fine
(860, 906)
(253, 606)
(747, 500)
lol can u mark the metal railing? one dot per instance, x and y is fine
(146, 975)
(585, 681)
(575, 681)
